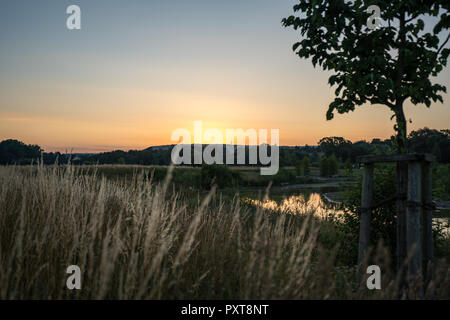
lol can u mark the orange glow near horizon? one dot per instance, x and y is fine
(96, 119)
(92, 136)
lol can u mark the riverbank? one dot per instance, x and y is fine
(334, 197)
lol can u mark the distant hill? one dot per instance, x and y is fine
(166, 147)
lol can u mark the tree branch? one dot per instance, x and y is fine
(401, 39)
(443, 45)
(379, 101)
(412, 18)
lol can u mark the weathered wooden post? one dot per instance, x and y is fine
(427, 220)
(413, 217)
(366, 208)
(402, 187)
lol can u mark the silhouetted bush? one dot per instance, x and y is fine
(220, 175)
(16, 152)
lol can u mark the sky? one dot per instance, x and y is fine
(140, 69)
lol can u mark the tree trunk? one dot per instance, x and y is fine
(402, 189)
(401, 129)
(402, 167)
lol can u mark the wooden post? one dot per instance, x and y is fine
(413, 210)
(366, 204)
(413, 193)
(402, 184)
(427, 220)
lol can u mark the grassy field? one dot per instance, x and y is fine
(136, 238)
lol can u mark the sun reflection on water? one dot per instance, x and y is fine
(308, 203)
(316, 204)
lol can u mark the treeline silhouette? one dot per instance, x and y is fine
(17, 152)
(436, 142)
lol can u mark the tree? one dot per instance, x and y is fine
(387, 65)
(436, 151)
(217, 174)
(17, 152)
(306, 166)
(299, 167)
(303, 166)
(323, 165)
(348, 165)
(335, 145)
(431, 141)
(332, 165)
(360, 148)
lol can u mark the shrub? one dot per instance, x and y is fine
(441, 181)
(299, 167)
(383, 219)
(283, 176)
(323, 165)
(332, 165)
(306, 166)
(328, 166)
(383, 223)
(218, 174)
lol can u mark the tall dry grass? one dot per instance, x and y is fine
(141, 240)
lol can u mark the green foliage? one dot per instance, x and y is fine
(303, 166)
(384, 219)
(299, 167)
(158, 174)
(332, 165)
(328, 166)
(306, 166)
(150, 156)
(220, 175)
(17, 152)
(283, 176)
(441, 181)
(323, 167)
(423, 141)
(346, 150)
(431, 141)
(187, 177)
(335, 145)
(383, 223)
(384, 66)
(348, 165)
